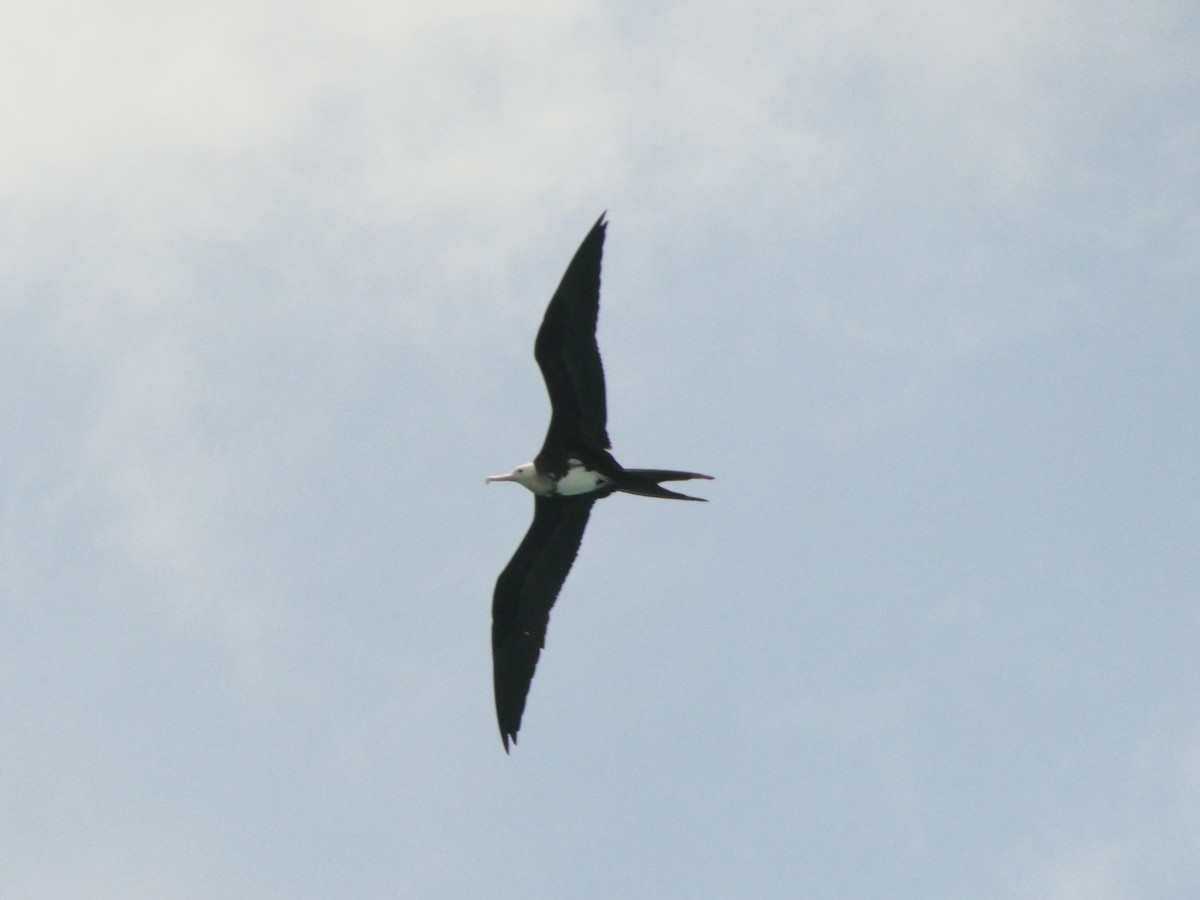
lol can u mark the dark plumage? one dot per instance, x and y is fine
(525, 592)
(571, 472)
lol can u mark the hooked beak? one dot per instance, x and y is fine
(509, 477)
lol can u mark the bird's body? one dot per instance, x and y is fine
(576, 479)
(579, 479)
(573, 469)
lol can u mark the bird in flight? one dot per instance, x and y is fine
(573, 470)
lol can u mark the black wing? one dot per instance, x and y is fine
(525, 592)
(569, 359)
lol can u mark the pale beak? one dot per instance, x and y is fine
(509, 477)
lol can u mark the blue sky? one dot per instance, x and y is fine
(916, 282)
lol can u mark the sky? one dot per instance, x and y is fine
(916, 282)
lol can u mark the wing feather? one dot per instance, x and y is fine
(525, 593)
(569, 357)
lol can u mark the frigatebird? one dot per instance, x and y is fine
(573, 470)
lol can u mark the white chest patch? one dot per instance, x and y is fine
(579, 480)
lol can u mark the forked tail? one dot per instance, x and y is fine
(646, 482)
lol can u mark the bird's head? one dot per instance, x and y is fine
(527, 476)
